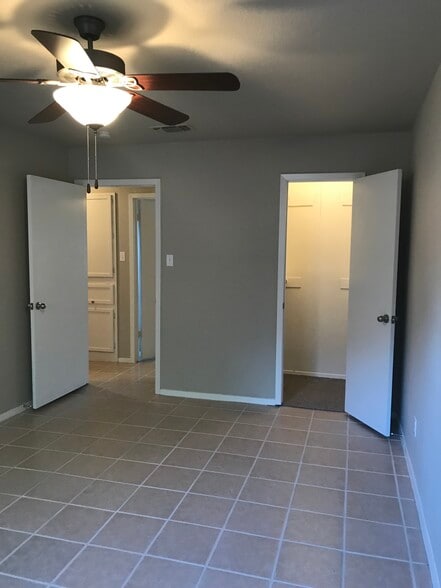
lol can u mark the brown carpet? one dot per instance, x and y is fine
(311, 392)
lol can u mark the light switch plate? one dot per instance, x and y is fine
(122, 255)
(169, 260)
(294, 282)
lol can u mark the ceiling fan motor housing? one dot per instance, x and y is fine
(89, 27)
(109, 65)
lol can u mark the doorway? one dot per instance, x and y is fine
(318, 243)
(372, 292)
(137, 286)
(291, 285)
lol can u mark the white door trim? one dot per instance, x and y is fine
(285, 179)
(156, 184)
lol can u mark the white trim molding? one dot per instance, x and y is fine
(4, 416)
(424, 530)
(285, 179)
(316, 374)
(219, 397)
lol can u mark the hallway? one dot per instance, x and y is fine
(113, 486)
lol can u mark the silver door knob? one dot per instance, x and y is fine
(40, 305)
(383, 318)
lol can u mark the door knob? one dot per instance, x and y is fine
(383, 318)
(40, 306)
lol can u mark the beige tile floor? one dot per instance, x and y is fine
(112, 486)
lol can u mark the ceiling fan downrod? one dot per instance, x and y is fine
(89, 28)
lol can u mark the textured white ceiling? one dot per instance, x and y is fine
(306, 66)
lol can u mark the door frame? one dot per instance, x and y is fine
(285, 180)
(133, 273)
(156, 184)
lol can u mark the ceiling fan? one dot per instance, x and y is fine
(93, 87)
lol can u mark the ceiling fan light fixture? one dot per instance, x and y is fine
(91, 104)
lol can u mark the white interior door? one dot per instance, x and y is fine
(58, 288)
(146, 266)
(372, 298)
(101, 263)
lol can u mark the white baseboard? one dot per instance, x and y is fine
(316, 374)
(109, 356)
(424, 530)
(4, 416)
(222, 397)
(125, 360)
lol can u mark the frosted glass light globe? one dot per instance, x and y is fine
(92, 105)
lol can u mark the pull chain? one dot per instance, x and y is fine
(88, 159)
(96, 159)
(95, 134)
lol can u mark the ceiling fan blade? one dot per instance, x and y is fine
(157, 111)
(67, 50)
(25, 81)
(218, 82)
(48, 114)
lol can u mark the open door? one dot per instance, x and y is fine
(372, 299)
(58, 288)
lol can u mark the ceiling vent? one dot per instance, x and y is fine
(173, 129)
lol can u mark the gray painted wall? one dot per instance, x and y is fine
(19, 155)
(220, 203)
(422, 374)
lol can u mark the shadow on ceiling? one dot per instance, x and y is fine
(134, 21)
(276, 5)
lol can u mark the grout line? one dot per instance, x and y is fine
(399, 525)
(217, 528)
(63, 506)
(114, 513)
(173, 410)
(120, 510)
(236, 500)
(35, 582)
(136, 553)
(285, 524)
(183, 402)
(16, 498)
(171, 448)
(149, 429)
(345, 514)
(35, 532)
(151, 543)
